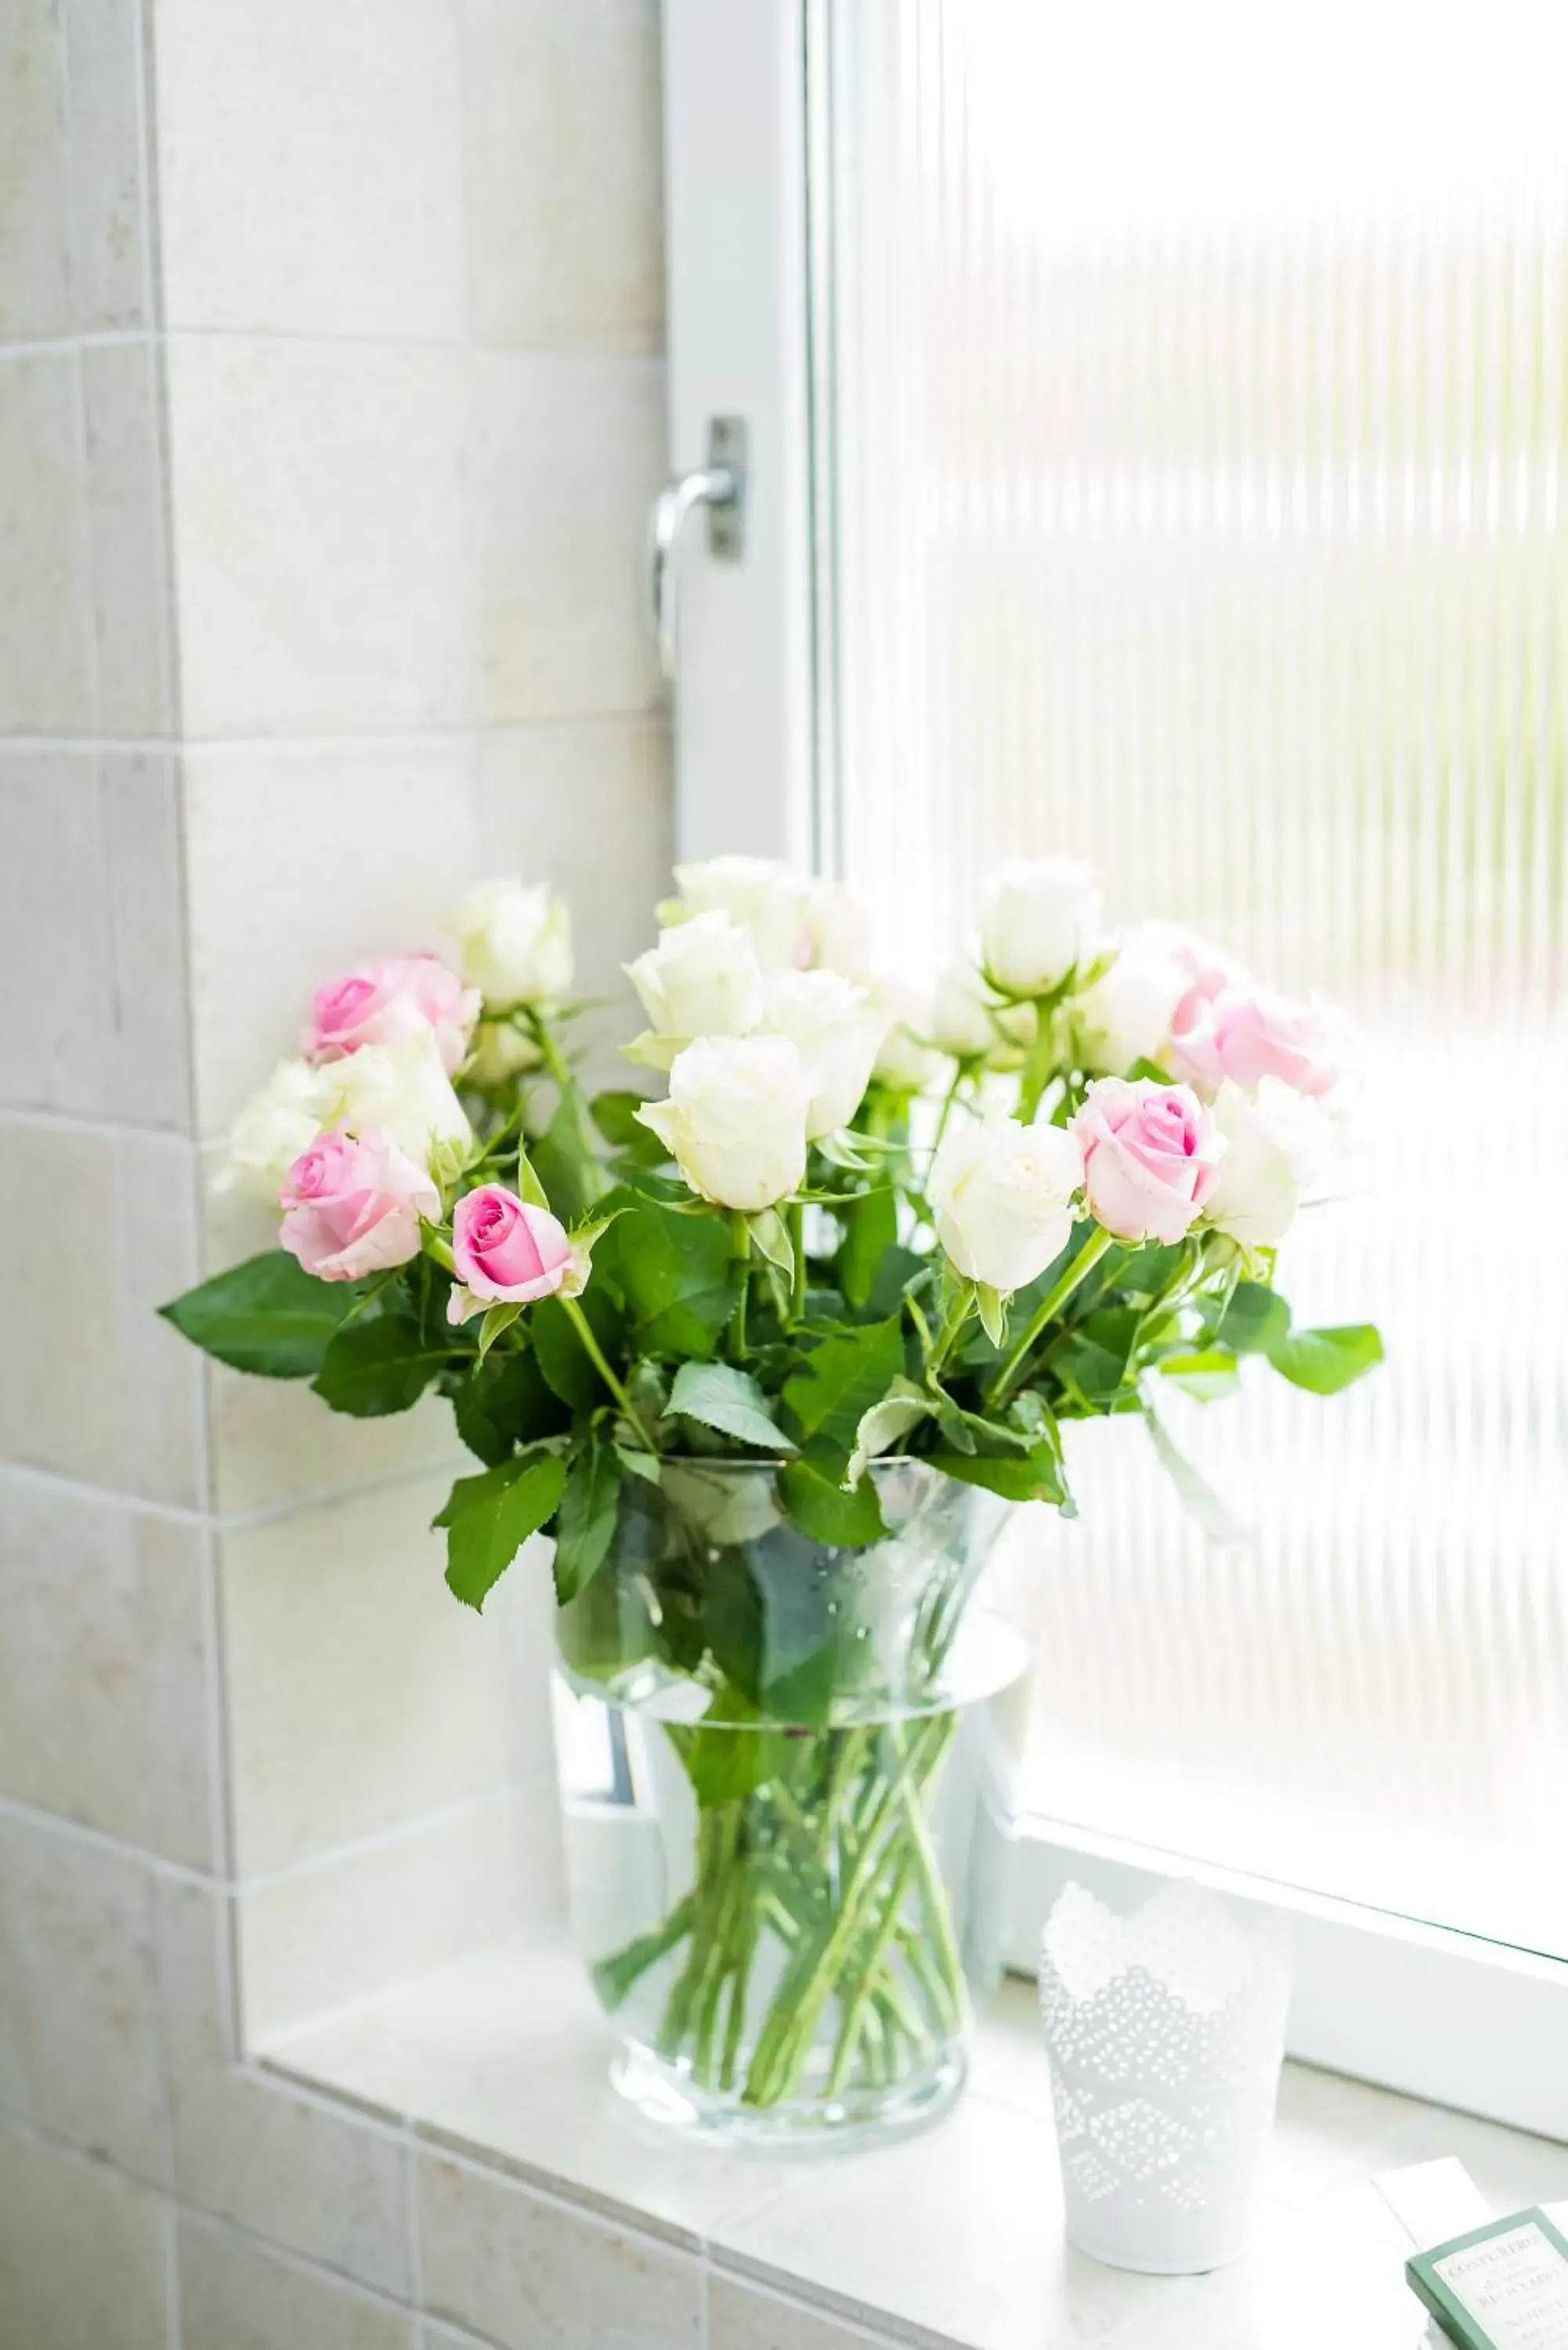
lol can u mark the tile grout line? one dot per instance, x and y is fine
(349, 739)
(237, 1521)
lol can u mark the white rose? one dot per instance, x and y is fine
(1003, 1197)
(1126, 1016)
(276, 1126)
(767, 897)
(964, 1013)
(839, 932)
(904, 1060)
(837, 1029)
(500, 1052)
(1258, 1189)
(1041, 920)
(400, 1090)
(514, 943)
(734, 1122)
(702, 979)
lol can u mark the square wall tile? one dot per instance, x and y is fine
(565, 174)
(533, 2274)
(80, 2051)
(81, 2254)
(313, 2178)
(308, 166)
(104, 1668)
(320, 535)
(349, 1926)
(360, 1693)
(46, 674)
(92, 1383)
(588, 806)
(90, 893)
(35, 217)
(108, 174)
(568, 458)
(238, 2294)
(301, 862)
(130, 578)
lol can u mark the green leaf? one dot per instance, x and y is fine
(489, 1518)
(564, 1162)
(615, 1115)
(885, 1423)
(1208, 1375)
(562, 1357)
(585, 1526)
(498, 1317)
(870, 1228)
(529, 1187)
(824, 1513)
(1028, 1477)
(267, 1315)
(992, 1309)
(376, 1366)
(676, 1274)
(731, 1400)
(770, 1238)
(506, 1405)
(1324, 1361)
(1196, 1495)
(842, 1379)
(1255, 1322)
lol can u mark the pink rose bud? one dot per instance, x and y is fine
(1248, 1034)
(388, 1001)
(1151, 1157)
(354, 1207)
(504, 1248)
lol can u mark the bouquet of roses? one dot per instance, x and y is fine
(858, 1229)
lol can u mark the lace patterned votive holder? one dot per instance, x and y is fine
(1166, 2035)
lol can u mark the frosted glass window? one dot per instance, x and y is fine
(1198, 393)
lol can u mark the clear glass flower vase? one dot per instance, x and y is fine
(787, 1771)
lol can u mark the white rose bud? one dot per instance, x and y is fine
(904, 1060)
(501, 1052)
(964, 1013)
(702, 979)
(514, 943)
(1041, 920)
(1126, 1016)
(770, 900)
(837, 1029)
(734, 1122)
(1283, 1150)
(1003, 1196)
(839, 932)
(400, 1090)
(276, 1126)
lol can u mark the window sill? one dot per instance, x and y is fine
(953, 2238)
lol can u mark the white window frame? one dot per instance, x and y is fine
(1419, 2008)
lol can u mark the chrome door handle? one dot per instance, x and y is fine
(721, 486)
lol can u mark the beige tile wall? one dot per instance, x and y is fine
(330, 405)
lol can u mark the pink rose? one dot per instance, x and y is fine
(354, 1207)
(504, 1248)
(1151, 1157)
(1206, 968)
(388, 1001)
(1248, 1034)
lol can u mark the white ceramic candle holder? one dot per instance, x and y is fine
(1166, 2035)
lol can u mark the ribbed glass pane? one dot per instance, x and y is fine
(1202, 431)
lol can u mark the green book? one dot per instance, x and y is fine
(1500, 2287)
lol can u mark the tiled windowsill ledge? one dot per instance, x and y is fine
(497, 2069)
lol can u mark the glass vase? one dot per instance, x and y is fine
(787, 1769)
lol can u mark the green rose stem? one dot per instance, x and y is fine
(595, 1355)
(1088, 1256)
(798, 1268)
(741, 1246)
(949, 1101)
(1040, 1065)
